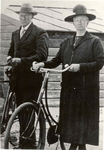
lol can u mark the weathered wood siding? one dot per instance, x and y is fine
(8, 25)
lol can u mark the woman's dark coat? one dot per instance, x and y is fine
(79, 103)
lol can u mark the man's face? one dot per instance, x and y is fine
(25, 18)
(80, 22)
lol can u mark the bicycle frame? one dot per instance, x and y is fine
(5, 116)
(43, 88)
(45, 81)
(40, 101)
(40, 111)
(5, 113)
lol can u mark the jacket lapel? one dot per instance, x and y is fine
(17, 38)
(84, 38)
(72, 40)
(27, 33)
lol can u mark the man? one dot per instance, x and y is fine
(29, 43)
(79, 102)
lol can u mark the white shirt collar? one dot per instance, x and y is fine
(25, 28)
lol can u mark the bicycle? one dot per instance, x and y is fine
(39, 112)
(8, 107)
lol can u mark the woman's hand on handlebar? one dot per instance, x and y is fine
(73, 67)
(36, 66)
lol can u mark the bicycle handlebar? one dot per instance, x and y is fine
(51, 70)
(45, 69)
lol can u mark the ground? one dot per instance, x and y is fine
(89, 147)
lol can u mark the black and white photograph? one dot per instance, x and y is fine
(52, 74)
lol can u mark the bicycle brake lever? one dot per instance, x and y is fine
(32, 69)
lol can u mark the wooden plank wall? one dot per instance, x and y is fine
(8, 25)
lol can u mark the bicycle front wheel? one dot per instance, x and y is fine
(8, 108)
(32, 129)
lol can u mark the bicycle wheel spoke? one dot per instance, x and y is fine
(26, 133)
(8, 108)
(14, 133)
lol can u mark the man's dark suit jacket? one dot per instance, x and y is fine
(33, 46)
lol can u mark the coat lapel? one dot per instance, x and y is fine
(27, 33)
(72, 40)
(84, 38)
(17, 38)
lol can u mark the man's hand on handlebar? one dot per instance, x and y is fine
(36, 66)
(16, 61)
(13, 61)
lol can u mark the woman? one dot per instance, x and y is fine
(79, 101)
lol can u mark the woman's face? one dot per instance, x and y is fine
(80, 22)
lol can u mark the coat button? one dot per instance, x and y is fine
(74, 88)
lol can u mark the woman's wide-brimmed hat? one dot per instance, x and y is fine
(27, 8)
(80, 10)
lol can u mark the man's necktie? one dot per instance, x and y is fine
(22, 33)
